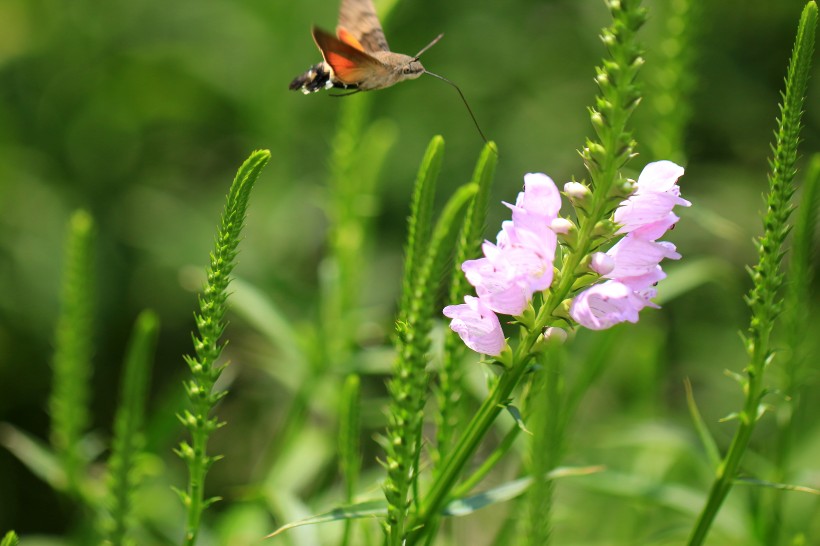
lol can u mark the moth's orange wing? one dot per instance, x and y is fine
(348, 38)
(359, 18)
(350, 65)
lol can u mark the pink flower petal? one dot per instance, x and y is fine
(605, 305)
(636, 257)
(477, 326)
(648, 211)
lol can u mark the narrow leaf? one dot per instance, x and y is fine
(369, 509)
(35, 455)
(712, 451)
(10, 539)
(780, 486)
(511, 490)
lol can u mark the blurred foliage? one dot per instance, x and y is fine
(140, 113)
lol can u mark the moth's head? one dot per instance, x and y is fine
(412, 70)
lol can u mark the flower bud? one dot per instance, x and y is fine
(601, 263)
(557, 335)
(561, 226)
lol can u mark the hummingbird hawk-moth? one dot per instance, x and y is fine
(359, 59)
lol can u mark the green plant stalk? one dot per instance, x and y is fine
(450, 388)
(547, 443)
(465, 486)
(68, 404)
(764, 298)
(619, 96)
(349, 448)
(128, 439)
(346, 234)
(207, 346)
(673, 78)
(796, 329)
(409, 387)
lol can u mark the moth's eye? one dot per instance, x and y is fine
(408, 70)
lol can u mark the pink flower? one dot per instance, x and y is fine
(540, 197)
(635, 257)
(647, 213)
(605, 305)
(521, 261)
(477, 326)
(497, 286)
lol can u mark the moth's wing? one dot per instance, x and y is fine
(350, 65)
(358, 19)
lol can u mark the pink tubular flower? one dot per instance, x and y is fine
(477, 326)
(647, 213)
(605, 305)
(521, 261)
(635, 257)
(497, 286)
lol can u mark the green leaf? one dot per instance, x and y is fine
(35, 455)
(779, 486)
(709, 444)
(10, 539)
(461, 507)
(368, 509)
(511, 490)
(261, 313)
(515, 413)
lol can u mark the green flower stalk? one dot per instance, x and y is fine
(548, 421)
(673, 78)
(765, 298)
(797, 339)
(425, 259)
(449, 391)
(69, 400)
(207, 346)
(349, 445)
(128, 440)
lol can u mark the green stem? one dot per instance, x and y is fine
(476, 430)
(764, 299)
(728, 469)
(489, 463)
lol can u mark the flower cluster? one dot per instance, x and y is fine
(520, 263)
(513, 269)
(633, 264)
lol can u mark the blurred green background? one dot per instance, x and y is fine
(141, 111)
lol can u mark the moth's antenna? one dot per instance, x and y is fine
(442, 78)
(428, 46)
